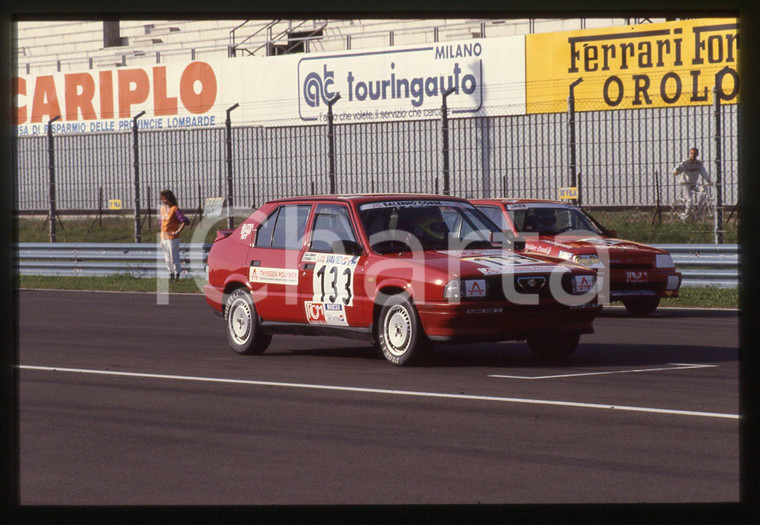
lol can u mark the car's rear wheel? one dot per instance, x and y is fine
(641, 306)
(553, 346)
(244, 333)
(400, 335)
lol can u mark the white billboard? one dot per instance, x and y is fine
(487, 77)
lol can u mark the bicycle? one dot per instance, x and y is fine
(702, 209)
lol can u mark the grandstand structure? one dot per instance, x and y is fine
(44, 47)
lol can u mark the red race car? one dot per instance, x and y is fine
(401, 271)
(639, 275)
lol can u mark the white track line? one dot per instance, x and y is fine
(673, 366)
(388, 392)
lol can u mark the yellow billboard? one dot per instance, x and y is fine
(645, 66)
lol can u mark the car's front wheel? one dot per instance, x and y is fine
(641, 306)
(553, 346)
(400, 335)
(244, 334)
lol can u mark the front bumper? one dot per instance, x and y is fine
(644, 283)
(502, 321)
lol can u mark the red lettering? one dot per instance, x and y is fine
(134, 88)
(198, 102)
(77, 101)
(106, 95)
(18, 89)
(45, 101)
(162, 105)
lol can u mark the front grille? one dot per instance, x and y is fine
(521, 284)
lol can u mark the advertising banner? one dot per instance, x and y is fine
(396, 83)
(645, 66)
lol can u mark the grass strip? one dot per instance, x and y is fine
(707, 297)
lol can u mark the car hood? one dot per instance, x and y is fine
(480, 262)
(619, 250)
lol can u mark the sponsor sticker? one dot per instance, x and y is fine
(325, 313)
(636, 277)
(257, 274)
(245, 230)
(315, 313)
(484, 310)
(583, 283)
(475, 288)
(335, 314)
(412, 204)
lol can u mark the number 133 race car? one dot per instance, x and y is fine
(399, 271)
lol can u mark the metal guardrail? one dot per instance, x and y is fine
(706, 264)
(699, 264)
(101, 259)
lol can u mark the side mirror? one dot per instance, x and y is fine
(347, 247)
(518, 244)
(611, 233)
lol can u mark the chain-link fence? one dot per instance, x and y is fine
(622, 158)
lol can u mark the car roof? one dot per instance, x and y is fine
(509, 200)
(361, 198)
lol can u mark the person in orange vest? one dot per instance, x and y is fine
(172, 224)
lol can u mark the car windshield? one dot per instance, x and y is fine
(394, 226)
(550, 220)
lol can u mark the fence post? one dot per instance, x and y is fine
(51, 167)
(136, 150)
(331, 141)
(445, 131)
(228, 142)
(571, 133)
(718, 215)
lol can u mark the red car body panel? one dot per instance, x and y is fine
(342, 292)
(632, 270)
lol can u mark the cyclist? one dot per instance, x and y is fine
(690, 169)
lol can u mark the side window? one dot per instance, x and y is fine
(496, 215)
(264, 233)
(285, 228)
(331, 223)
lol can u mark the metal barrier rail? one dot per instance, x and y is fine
(101, 259)
(706, 264)
(700, 264)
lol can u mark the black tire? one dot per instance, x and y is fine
(241, 321)
(399, 332)
(641, 306)
(553, 346)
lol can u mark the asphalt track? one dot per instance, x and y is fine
(125, 401)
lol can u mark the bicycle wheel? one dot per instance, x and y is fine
(678, 209)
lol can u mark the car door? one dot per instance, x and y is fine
(329, 284)
(273, 263)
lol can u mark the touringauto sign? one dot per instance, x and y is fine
(395, 83)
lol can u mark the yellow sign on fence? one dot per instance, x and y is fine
(628, 67)
(114, 204)
(568, 194)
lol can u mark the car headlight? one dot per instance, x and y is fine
(663, 260)
(589, 260)
(469, 288)
(453, 290)
(583, 283)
